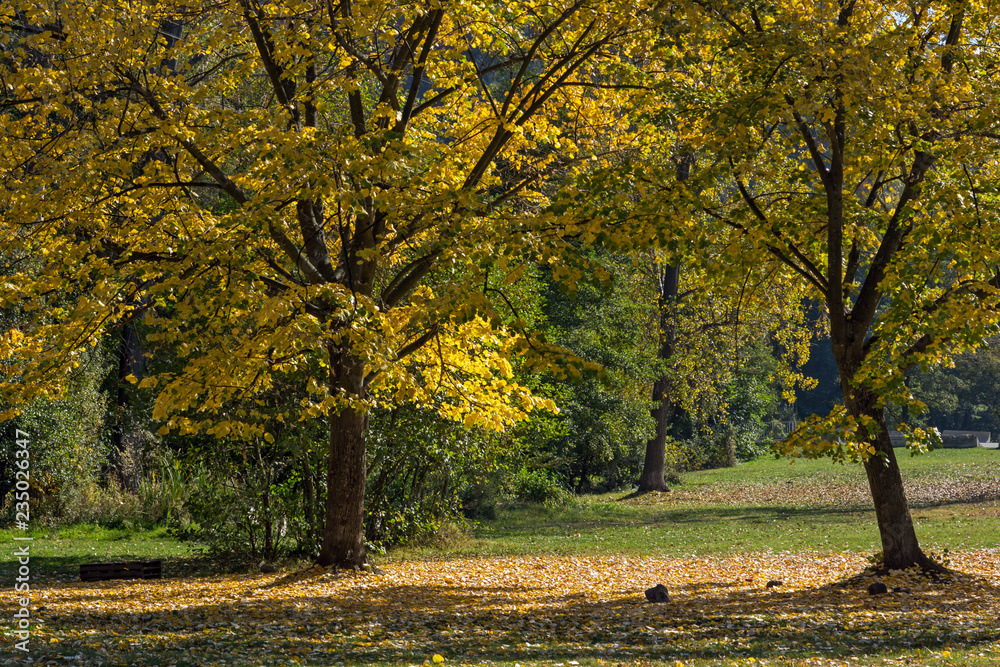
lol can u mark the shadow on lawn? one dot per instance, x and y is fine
(369, 623)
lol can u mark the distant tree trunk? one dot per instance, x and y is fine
(269, 545)
(663, 400)
(663, 404)
(581, 485)
(309, 500)
(123, 458)
(729, 447)
(343, 533)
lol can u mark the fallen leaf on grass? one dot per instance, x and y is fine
(526, 609)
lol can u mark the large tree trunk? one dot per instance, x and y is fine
(343, 532)
(663, 404)
(663, 400)
(900, 548)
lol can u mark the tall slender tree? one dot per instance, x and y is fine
(857, 144)
(664, 401)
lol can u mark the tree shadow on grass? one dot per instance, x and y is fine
(372, 622)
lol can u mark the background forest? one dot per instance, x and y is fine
(102, 461)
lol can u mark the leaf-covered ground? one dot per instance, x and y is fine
(532, 610)
(564, 585)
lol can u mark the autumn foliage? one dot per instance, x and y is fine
(332, 195)
(319, 210)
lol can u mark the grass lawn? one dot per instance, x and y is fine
(56, 553)
(764, 506)
(564, 586)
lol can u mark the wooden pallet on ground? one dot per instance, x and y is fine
(137, 569)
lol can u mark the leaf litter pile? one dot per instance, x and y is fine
(541, 610)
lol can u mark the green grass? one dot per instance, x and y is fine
(939, 463)
(766, 505)
(690, 520)
(56, 553)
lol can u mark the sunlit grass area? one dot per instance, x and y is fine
(767, 505)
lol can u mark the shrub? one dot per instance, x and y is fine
(69, 444)
(166, 490)
(424, 472)
(90, 504)
(261, 501)
(538, 486)
(480, 499)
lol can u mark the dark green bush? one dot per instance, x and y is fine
(538, 486)
(424, 471)
(69, 444)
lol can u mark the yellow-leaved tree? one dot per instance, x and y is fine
(857, 143)
(335, 190)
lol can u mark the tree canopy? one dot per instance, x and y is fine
(350, 199)
(335, 192)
